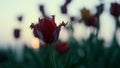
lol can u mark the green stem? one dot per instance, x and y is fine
(116, 26)
(98, 26)
(52, 56)
(67, 61)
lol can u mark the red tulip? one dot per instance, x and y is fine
(62, 47)
(115, 9)
(47, 30)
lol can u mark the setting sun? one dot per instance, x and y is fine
(35, 43)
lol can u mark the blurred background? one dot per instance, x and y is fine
(29, 11)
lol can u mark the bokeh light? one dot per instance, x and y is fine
(35, 43)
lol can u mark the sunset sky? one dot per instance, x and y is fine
(10, 9)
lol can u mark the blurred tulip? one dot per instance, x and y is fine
(64, 9)
(115, 9)
(20, 18)
(62, 47)
(90, 20)
(68, 1)
(72, 18)
(16, 33)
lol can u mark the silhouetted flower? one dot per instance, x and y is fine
(20, 18)
(64, 6)
(16, 33)
(92, 21)
(62, 47)
(41, 8)
(64, 9)
(115, 9)
(47, 30)
(100, 9)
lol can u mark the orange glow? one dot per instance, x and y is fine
(35, 43)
